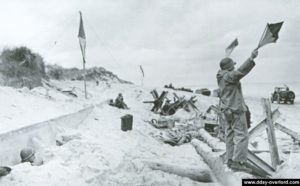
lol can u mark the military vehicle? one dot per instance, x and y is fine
(283, 94)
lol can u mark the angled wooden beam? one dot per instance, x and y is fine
(159, 101)
(262, 125)
(284, 129)
(217, 146)
(154, 94)
(266, 168)
(271, 134)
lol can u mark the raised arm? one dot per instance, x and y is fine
(235, 75)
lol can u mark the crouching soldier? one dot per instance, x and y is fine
(28, 155)
(119, 102)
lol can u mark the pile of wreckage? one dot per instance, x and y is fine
(164, 106)
(176, 131)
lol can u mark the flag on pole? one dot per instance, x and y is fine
(142, 70)
(270, 34)
(82, 38)
(231, 47)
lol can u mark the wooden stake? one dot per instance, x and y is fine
(85, 93)
(271, 134)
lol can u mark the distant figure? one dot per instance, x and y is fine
(28, 155)
(97, 83)
(234, 109)
(119, 102)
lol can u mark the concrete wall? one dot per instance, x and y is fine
(36, 136)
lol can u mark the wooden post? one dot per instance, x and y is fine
(262, 125)
(197, 174)
(142, 80)
(85, 93)
(271, 134)
(215, 144)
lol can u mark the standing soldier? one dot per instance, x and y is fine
(234, 109)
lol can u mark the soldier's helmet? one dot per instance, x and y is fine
(227, 63)
(26, 154)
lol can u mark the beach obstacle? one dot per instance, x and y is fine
(258, 165)
(158, 100)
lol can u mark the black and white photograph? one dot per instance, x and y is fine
(149, 92)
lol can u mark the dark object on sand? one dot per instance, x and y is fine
(185, 89)
(4, 171)
(203, 91)
(70, 93)
(162, 123)
(126, 122)
(170, 86)
(283, 94)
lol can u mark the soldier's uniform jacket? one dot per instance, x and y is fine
(230, 87)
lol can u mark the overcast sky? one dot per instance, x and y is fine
(179, 41)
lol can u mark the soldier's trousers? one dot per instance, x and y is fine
(236, 132)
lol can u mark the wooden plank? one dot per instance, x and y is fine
(262, 125)
(271, 134)
(215, 163)
(283, 151)
(194, 173)
(288, 131)
(218, 146)
(260, 163)
(154, 94)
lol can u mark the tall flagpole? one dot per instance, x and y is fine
(85, 93)
(142, 80)
(82, 43)
(142, 75)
